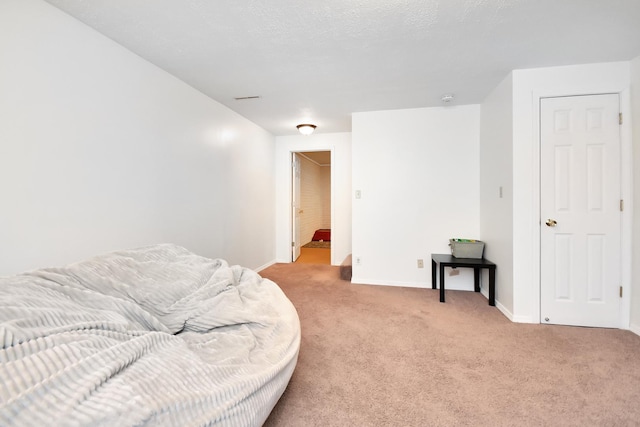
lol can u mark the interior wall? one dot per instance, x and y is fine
(635, 106)
(101, 150)
(528, 86)
(340, 146)
(496, 188)
(417, 171)
(311, 199)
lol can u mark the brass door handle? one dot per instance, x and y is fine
(551, 222)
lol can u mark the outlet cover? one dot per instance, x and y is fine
(420, 263)
(454, 272)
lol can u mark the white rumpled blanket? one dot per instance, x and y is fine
(156, 336)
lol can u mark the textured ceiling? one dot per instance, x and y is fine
(319, 61)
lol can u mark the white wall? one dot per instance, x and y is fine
(418, 172)
(635, 105)
(100, 150)
(340, 146)
(496, 173)
(528, 87)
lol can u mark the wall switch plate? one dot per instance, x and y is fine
(420, 263)
(358, 260)
(358, 194)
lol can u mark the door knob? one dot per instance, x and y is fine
(551, 222)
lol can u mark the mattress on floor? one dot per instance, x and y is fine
(322, 234)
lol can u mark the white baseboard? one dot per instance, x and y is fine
(508, 314)
(635, 328)
(360, 281)
(425, 285)
(262, 267)
(522, 319)
(504, 310)
(483, 290)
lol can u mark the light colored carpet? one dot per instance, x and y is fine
(389, 356)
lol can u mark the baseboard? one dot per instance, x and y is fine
(262, 267)
(360, 281)
(522, 319)
(424, 285)
(508, 314)
(505, 311)
(635, 328)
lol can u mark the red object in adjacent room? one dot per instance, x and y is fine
(322, 234)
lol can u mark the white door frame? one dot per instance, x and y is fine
(296, 181)
(626, 190)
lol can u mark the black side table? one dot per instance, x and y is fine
(446, 260)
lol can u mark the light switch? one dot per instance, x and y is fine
(358, 194)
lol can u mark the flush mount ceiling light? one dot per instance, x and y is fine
(306, 129)
(447, 98)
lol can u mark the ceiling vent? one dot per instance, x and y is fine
(244, 98)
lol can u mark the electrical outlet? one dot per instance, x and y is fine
(454, 272)
(420, 263)
(358, 260)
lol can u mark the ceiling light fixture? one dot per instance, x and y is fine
(447, 98)
(306, 129)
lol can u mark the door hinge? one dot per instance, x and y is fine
(621, 205)
(293, 244)
(620, 291)
(619, 118)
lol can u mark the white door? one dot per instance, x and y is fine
(295, 206)
(580, 210)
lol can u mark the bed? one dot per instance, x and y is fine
(149, 336)
(322, 235)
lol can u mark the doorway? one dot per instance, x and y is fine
(580, 210)
(311, 207)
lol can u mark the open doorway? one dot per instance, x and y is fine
(311, 207)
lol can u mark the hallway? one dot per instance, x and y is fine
(314, 256)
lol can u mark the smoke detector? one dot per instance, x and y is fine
(447, 98)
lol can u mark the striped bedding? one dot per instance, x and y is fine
(150, 336)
